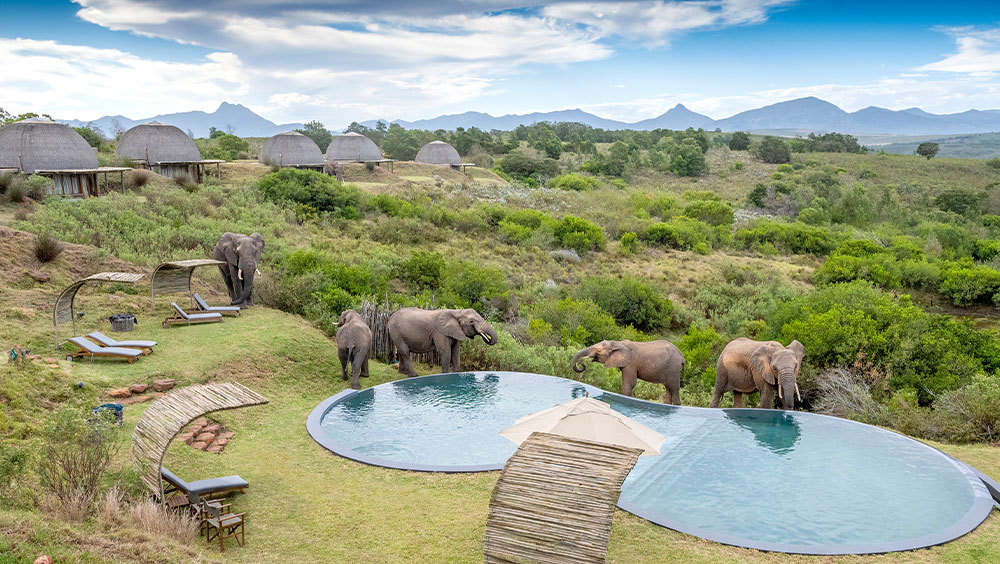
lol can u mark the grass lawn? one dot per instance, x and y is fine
(307, 505)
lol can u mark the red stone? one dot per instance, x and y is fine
(199, 445)
(205, 437)
(50, 360)
(226, 435)
(215, 449)
(213, 428)
(163, 385)
(43, 559)
(120, 393)
(222, 442)
(201, 422)
(139, 388)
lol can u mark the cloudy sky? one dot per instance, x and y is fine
(344, 60)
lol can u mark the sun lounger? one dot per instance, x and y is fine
(205, 488)
(185, 318)
(90, 349)
(146, 347)
(203, 306)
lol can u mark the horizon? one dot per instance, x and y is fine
(364, 61)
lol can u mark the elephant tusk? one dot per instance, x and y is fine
(781, 395)
(256, 271)
(485, 337)
(797, 393)
(239, 274)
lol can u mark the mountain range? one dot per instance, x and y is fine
(228, 117)
(799, 116)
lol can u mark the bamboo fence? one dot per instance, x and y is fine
(377, 317)
(555, 500)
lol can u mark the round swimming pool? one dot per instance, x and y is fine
(766, 479)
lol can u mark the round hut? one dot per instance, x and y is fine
(438, 153)
(353, 147)
(39, 144)
(291, 149)
(154, 143)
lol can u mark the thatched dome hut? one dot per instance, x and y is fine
(39, 144)
(353, 147)
(291, 149)
(438, 153)
(157, 143)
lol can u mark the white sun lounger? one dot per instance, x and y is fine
(90, 349)
(203, 306)
(145, 346)
(185, 318)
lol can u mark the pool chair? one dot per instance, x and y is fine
(203, 306)
(202, 488)
(90, 349)
(185, 318)
(145, 347)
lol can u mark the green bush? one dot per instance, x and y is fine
(680, 233)
(312, 188)
(757, 195)
(976, 405)
(521, 167)
(771, 150)
(468, 284)
(701, 348)
(710, 212)
(814, 216)
(965, 285)
(393, 206)
(739, 141)
(845, 268)
(575, 182)
(986, 249)
(797, 238)
(629, 300)
(571, 232)
(687, 158)
(579, 322)
(629, 243)
(424, 269)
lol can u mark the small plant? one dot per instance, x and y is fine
(370, 166)
(994, 164)
(16, 193)
(47, 248)
(629, 243)
(36, 186)
(7, 179)
(139, 178)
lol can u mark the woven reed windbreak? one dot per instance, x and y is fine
(555, 500)
(65, 309)
(175, 276)
(377, 317)
(165, 418)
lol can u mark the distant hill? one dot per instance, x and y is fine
(802, 115)
(240, 119)
(975, 146)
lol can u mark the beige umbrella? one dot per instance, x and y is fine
(588, 419)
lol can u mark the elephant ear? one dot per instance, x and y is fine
(620, 357)
(799, 349)
(229, 249)
(258, 241)
(450, 327)
(760, 364)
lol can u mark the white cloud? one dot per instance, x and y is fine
(978, 53)
(658, 22)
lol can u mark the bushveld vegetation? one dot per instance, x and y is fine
(875, 262)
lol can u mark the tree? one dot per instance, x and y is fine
(318, 132)
(91, 135)
(772, 150)
(549, 142)
(928, 149)
(400, 144)
(740, 141)
(686, 158)
(6, 118)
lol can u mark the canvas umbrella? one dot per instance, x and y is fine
(588, 419)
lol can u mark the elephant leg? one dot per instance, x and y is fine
(721, 382)
(234, 274)
(364, 367)
(628, 380)
(444, 353)
(345, 356)
(405, 366)
(356, 370)
(737, 399)
(456, 356)
(674, 394)
(224, 269)
(767, 397)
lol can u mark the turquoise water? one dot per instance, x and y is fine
(757, 476)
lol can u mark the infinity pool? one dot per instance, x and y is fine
(767, 479)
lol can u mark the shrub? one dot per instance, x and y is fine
(740, 141)
(797, 238)
(772, 150)
(514, 233)
(618, 184)
(986, 249)
(520, 167)
(571, 232)
(36, 186)
(312, 188)
(629, 300)
(393, 206)
(843, 392)
(959, 200)
(701, 348)
(813, 216)
(579, 322)
(139, 178)
(927, 149)
(78, 450)
(470, 285)
(575, 182)
(968, 284)
(629, 243)
(7, 179)
(757, 195)
(844, 268)
(424, 269)
(993, 163)
(976, 405)
(47, 248)
(681, 233)
(710, 211)
(687, 158)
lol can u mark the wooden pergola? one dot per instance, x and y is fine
(175, 276)
(65, 309)
(555, 500)
(165, 417)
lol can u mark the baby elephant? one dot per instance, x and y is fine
(659, 362)
(354, 340)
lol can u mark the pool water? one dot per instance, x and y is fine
(769, 479)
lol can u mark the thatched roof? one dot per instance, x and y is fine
(353, 147)
(439, 153)
(157, 142)
(37, 144)
(290, 149)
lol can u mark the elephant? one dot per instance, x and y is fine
(241, 253)
(746, 366)
(415, 330)
(659, 362)
(354, 341)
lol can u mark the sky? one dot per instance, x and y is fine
(339, 61)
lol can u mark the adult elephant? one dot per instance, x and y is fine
(414, 330)
(241, 253)
(659, 362)
(354, 341)
(747, 366)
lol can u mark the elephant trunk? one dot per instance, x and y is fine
(488, 334)
(246, 276)
(577, 365)
(787, 389)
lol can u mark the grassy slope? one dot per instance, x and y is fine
(306, 503)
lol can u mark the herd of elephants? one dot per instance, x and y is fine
(745, 366)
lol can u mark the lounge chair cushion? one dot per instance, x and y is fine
(109, 342)
(189, 316)
(204, 305)
(94, 348)
(204, 486)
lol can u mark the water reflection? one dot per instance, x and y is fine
(775, 430)
(462, 390)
